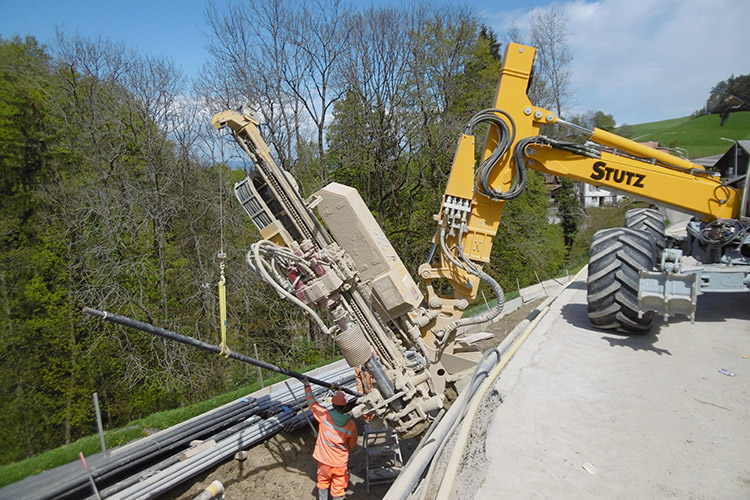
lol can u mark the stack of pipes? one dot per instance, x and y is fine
(281, 402)
(152, 465)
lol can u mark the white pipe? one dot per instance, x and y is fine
(213, 490)
(411, 474)
(457, 453)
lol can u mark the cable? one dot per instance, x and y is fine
(467, 265)
(721, 232)
(260, 265)
(506, 137)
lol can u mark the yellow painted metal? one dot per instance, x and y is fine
(702, 195)
(680, 184)
(243, 124)
(510, 97)
(484, 218)
(461, 179)
(605, 138)
(276, 233)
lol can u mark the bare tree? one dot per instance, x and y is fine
(372, 123)
(283, 58)
(549, 33)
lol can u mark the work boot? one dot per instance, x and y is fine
(323, 494)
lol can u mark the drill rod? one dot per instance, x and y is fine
(184, 339)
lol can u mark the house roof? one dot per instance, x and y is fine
(737, 156)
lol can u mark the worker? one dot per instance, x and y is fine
(337, 437)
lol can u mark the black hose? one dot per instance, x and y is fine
(158, 448)
(191, 428)
(184, 339)
(506, 137)
(171, 460)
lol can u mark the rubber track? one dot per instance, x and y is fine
(616, 258)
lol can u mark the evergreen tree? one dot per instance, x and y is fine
(569, 209)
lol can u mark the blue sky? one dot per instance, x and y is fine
(640, 60)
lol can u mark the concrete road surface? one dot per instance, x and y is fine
(588, 414)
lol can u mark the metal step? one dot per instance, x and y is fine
(383, 473)
(381, 451)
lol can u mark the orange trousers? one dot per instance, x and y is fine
(334, 479)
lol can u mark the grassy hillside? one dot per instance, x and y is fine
(136, 429)
(700, 137)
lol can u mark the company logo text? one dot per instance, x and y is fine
(603, 172)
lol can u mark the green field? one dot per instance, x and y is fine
(699, 137)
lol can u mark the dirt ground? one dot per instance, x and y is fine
(283, 467)
(280, 468)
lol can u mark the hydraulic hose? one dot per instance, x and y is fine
(261, 269)
(451, 468)
(506, 137)
(457, 453)
(184, 339)
(468, 266)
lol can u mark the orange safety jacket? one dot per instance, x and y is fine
(334, 442)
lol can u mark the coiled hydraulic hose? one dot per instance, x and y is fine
(506, 137)
(262, 269)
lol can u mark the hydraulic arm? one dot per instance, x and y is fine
(514, 144)
(476, 194)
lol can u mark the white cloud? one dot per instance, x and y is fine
(647, 60)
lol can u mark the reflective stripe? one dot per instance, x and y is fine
(337, 428)
(333, 445)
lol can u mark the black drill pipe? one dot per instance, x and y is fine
(184, 339)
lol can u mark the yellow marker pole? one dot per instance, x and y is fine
(223, 312)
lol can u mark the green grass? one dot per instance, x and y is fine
(700, 137)
(89, 445)
(642, 131)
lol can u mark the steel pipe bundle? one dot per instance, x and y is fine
(158, 482)
(244, 422)
(168, 478)
(71, 482)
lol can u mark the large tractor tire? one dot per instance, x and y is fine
(617, 255)
(649, 220)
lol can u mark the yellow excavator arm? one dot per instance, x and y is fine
(475, 195)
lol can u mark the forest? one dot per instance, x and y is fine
(117, 193)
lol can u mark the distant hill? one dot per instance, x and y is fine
(699, 137)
